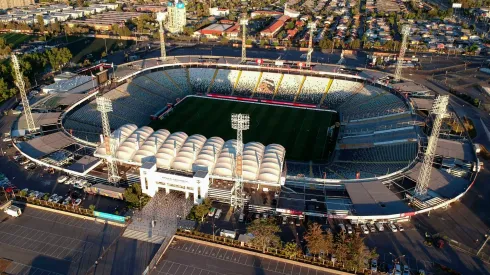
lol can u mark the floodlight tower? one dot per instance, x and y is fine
(239, 122)
(244, 23)
(398, 70)
(312, 26)
(160, 18)
(439, 110)
(104, 106)
(19, 81)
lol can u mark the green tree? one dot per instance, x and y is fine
(265, 233)
(291, 250)
(198, 212)
(91, 207)
(46, 196)
(326, 43)
(5, 91)
(355, 44)
(4, 48)
(358, 253)
(135, 197)
(341, 249)
(40, 23)
(58, 57)
(314, 239)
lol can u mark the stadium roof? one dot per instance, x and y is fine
(193, 153)
(40, 119)
(441, 181)
(85, 164)
(56, 100)
(422, 103)
(374, 198)
(44, 145)
(68, 84)
(454, 149)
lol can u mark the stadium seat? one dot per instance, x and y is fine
(201, 79)
(224, 81)
(246, 83)
(289, 87)
(313, 90)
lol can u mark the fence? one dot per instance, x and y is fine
(57, 206)
(271, 251)
(483, 256)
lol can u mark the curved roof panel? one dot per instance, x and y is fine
(120, 135)
(188, 153)
(127, 149)
(224, 163)
(147, 151)
(270, 169)
(252, 156)
(209, 154)
(169, 149)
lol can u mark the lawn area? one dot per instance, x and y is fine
(15, 38)
(303, 132)
(95, 46)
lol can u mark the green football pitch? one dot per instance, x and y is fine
(303, 132)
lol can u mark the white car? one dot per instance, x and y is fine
(62, 179)
(349, 228)
(393, 227)
(77, 202)
(53, 197)
(371, 228)
(400, 227)
(374, 265)
(364, 229)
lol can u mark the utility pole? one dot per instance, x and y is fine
(160, 19)
(244, 23)
(104, 106)
(19, 81)
(312, 26)
(239, 122)
(399, 64)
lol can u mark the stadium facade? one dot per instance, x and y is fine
(370, 176)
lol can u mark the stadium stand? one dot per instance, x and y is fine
(289, 87)
(313, 90)
(179, 76)
(268, 85)
(224, 81)
(164, 86)
(340, 91)
(201, 79)
(246, 83)
(396, 152)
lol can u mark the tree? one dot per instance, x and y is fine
(5, 91)
(40, 23)
(80, 3)
(58, 57)
(4, 48)
(359, 253)
(326, 43)
(291, 250)
(199, 211)
(314, 239)
(341, 249)
(264, 233)
(91, 207)
(135, 197)
(355, 44)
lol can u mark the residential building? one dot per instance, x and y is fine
(274, 28)
(8, 4)
(176, 20)
(219, 12)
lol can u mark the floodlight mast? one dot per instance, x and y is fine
(160, 18)
(104, 106)
(439, 110)
(244, 23)
(312, 26)
(239, 122)
(19, 81)
(399, 64)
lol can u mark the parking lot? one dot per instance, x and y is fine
(15, 268)
(54, 242)
(184, 257)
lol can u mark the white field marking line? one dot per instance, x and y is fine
(30, 250)
(252, 265)
(56, 235)
(34, 240)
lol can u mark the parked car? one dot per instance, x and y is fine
(364, 229)
(349, 228)
(78, 186)
(67, 201)
(374, 265)
(379, 226)
(406, 270)
(53, 197)
(24, 162)
(371, 228)
(30, 166)
(397, 270)
(77, 202)
(400, 227)
(393, 227)
(342, 228)
(62, 179)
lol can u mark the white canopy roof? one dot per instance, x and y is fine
(193, 153)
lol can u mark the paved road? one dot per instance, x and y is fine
(188, 258)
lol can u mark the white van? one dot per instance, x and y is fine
(218, 214)
(227, 233)
(379, 226)
(13, 211)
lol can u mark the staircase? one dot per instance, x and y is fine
(172, 80)
(428, 203)
(212, 81)
(236, 82)
(326, 91)
(257, 84)
(300, 88)
(143, 236)
(278, 85)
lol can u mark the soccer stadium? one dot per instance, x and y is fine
(330, 141)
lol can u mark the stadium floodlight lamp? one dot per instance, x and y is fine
(240, 121)
(161, 16)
